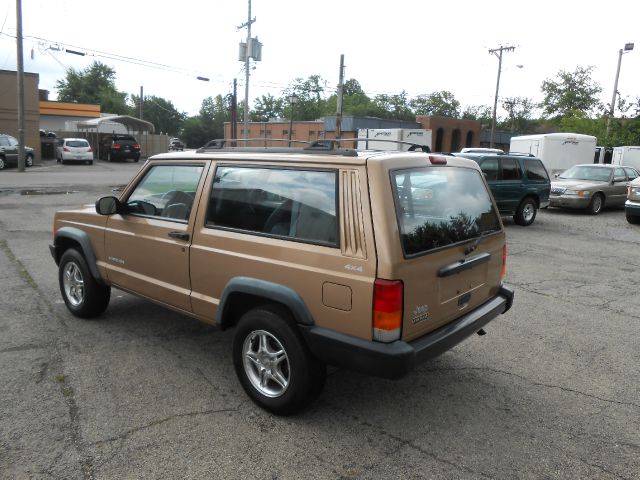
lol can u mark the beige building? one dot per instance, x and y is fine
(9, 108)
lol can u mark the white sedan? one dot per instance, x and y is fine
(74, 150)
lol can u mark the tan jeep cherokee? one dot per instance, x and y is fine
(371, 261)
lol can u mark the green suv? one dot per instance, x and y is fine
(520, 183)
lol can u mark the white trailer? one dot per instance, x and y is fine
(558, 151)
(627, 156)
(416, 136)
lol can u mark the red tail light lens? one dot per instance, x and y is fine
(65, 149)
(136, 146)
(387, 309)
(437, 160)
(116, 145)
(90, 149)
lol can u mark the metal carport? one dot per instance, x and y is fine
(132, 124)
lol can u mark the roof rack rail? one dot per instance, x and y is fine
(326, 147)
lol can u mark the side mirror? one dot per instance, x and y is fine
(108, 206)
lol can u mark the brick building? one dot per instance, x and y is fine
(451, 134)
(9, 108)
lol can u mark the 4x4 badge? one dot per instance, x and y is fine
(353, 268)
(420, 314)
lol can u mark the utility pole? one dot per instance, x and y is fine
(339, 102)
(141, 101)
(627, 48)
(248, 51)
(20, 62)
(234, 113)
(498, 53)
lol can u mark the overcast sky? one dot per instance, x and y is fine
(414, 45)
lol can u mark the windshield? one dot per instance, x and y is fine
(438, 206)
(585, 172)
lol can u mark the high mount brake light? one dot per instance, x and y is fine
(437, 160)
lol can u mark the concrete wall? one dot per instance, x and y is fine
(9, 108)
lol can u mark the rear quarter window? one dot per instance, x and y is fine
(437, 207)
(534, 169)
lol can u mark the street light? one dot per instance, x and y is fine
(293, 98)
(627, 48)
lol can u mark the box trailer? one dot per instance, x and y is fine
(389, 136)
(627, 156)
(558, 151)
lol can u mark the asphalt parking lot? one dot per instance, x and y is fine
(552, 391)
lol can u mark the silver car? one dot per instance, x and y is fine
(74, 150)
(632, 205)
(591, 186)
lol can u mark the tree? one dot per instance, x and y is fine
(395, 106)
(309, 103)
(571, 93)
(520, 113)
(441, 104)
(95, 85)
(208, 124)
(164, 116)
(267, 107)
(481, 113)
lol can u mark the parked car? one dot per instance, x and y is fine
(481, 150)
(119, 147)
(519, 183)
(591, 187)
(9, 152)
(371, 261)
(74, 150)
(176, 145)
(632, 205)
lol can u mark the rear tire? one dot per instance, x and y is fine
(2, 163)
(273, 364)
(526, 213)
(28, 161)
(83, 295)
(596, 204)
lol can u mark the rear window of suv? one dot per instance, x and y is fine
(437, 207)
(535, 170)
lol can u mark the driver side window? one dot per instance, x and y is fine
(619, 175)
(166, 191)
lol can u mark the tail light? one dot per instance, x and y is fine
(65, 149)
(136, 146)
(90, 149)
(387, 310)
(116, 146)
(504, 261)
(437, 160)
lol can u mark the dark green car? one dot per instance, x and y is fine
(520, 183)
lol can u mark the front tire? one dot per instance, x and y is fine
(632, 219)
(84, 297)
(596, 204)
(273, 364)
(2, 163)
(526, 213)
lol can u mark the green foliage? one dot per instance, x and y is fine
(571, 94)
(93, 85)
(520, 113)
(164, 116)
(267, 107)
(396, 106)
(208, 124)
(481, 113)
(441, 104)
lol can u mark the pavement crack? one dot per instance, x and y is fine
(537, 384)
(155, 423)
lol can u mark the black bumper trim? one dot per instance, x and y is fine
(396, 359)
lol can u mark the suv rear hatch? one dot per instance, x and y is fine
(451, 243)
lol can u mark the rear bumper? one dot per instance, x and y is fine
(396, 359)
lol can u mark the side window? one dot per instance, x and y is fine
(535, 170)
(490, 168)
(166, 191)
(4, 142)
(619, 175)
(13, 142)
(631, 173)
(292, 203)
(510, 169)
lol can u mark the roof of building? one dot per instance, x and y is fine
(131, 123)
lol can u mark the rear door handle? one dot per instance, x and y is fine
(179, 235)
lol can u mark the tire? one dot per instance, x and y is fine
(2, 163)
(90, 162)
(596, 204)
(273, 364)
(526, 213)
(84, 297)
(632, 219)
(28, 161)
(136, 159)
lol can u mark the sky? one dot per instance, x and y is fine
(418, 46)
